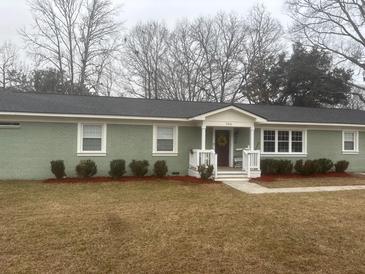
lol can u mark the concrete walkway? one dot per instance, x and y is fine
(252, 188)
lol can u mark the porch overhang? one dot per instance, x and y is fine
(230, 116)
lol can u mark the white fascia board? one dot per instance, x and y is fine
(311, 124)
(114, 117)
(259, 120)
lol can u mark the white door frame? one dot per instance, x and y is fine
(231, 140)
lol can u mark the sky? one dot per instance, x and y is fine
(14, 14)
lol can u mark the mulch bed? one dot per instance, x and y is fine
(272, 178)
(124, 179)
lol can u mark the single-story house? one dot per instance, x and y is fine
(38, 128)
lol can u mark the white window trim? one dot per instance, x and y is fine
(175, 141)
(290, 153)
(356, 142)
(80, 132)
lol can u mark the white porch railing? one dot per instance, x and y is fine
(250, 161)
(203, 157)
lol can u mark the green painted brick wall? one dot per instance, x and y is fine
(26, 152)
(241, 140)
(328, 144)
(208, 138)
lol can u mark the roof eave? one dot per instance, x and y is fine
(92, 116)
(274, 123)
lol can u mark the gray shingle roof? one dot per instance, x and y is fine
(118, 106)
(98, 105)
(276, 113)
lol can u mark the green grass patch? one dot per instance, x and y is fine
(172, 227)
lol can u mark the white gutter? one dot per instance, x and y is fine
(115, 117)
(90, 116)
(312, 124)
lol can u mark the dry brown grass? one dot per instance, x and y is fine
(167, 227)
(303, 182)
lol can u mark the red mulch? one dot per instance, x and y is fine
(73, 180)
(272, 178)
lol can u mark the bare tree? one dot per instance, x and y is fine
(264, 50)
(107, 80)
(210, 58)
(99, 36)
(70, 36)
(68, 13)
(46, 41)
(337, 26)
(223, 40)
(183, 67)
(145, 48)
(8, 56)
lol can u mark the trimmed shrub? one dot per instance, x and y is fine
(139, 168)
(58, 169)
(341, 166)
(269, 166)
(314, 167)
(298, 167)
(117, 168)
(160, 168)
(273, 166)
(324, 165)
(205, 171)
(284, 167)
(86, 168)
(309, 167)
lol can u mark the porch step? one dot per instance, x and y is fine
(232, 176)
(241, 172)
(243, 180)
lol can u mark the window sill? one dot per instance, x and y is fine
(164, 154)
(350, 152)
(91, 154)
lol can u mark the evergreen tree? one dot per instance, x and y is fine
(312, 80)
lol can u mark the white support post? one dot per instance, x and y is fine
(203, 136)
(215, 165)
(249, 166)
(252, 138)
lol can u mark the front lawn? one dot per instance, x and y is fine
(177, 227)
(309, 182)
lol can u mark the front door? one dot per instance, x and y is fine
(222, 147)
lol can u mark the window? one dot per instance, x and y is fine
(283, 141)
(92, 139)
(350, 141)
(165, 139)
(269, 141)
(297, 141)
